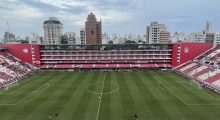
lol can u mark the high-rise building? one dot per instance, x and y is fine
(34, 38)
(216, 38)
(210, 37)
(130, 37)
(157, 33)
(105, 38)
(71, 37)
(208, 27)
(114, 36)
(78, 41)
(1, 40)
(83, 36)
(9, 37)
(178, 37)
(53, 29)
(93, 30)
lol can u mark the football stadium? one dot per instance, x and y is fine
(178, 81)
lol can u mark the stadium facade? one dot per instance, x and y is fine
(141, 55)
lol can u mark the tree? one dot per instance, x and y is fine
(140, 41)
(110, 42)
(129, 42)
(23, 41)
(63, 39)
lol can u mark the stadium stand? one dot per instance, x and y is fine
(12, 68)
(107, 59)
(204, 68)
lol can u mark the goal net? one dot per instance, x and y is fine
(10, 85)
(196, 84)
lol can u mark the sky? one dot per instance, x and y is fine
(118, 16)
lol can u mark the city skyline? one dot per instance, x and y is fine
(118, 16)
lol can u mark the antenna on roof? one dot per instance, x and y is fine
(8, 26)
(8, 32)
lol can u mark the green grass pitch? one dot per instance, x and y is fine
(151, 95)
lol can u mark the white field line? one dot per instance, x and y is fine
(196, 87)
(187, 87)
(100, 98)
(30, 93)
(171, 91)
(43, 88)
(203, 104)
(16, 89)
(24, 81)
(102, 93)
(161, 87)
(193, 86)
(30, 79)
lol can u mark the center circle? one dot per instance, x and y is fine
(115, 87)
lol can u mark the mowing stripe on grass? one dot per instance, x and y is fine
(151, 95)
(127, 102)
(200, 90)
(84, 103)
(25, 92)
(138, 96)
(60, 91)
(19, 84)
(115, 101)
(48, 104)
(103, 84)
(190, 111)
(185, 113)
(69, 90)
(16, 89)
(33, 102)
(189, 100)
(105, 109)
(201, 102)
(21, 93)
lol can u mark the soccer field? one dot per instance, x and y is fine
(151, 95)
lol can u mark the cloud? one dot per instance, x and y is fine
(18, 14)
(121, 16)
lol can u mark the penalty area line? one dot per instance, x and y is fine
(15, 90)
(182, 80)
(22, 82)
(37, 90)
(171, 91)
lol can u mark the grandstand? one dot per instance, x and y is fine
(108, 59)
(11, 69)
(204, 68)
(116, 78)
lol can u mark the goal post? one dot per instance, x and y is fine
(196, 84)
(10, 85)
